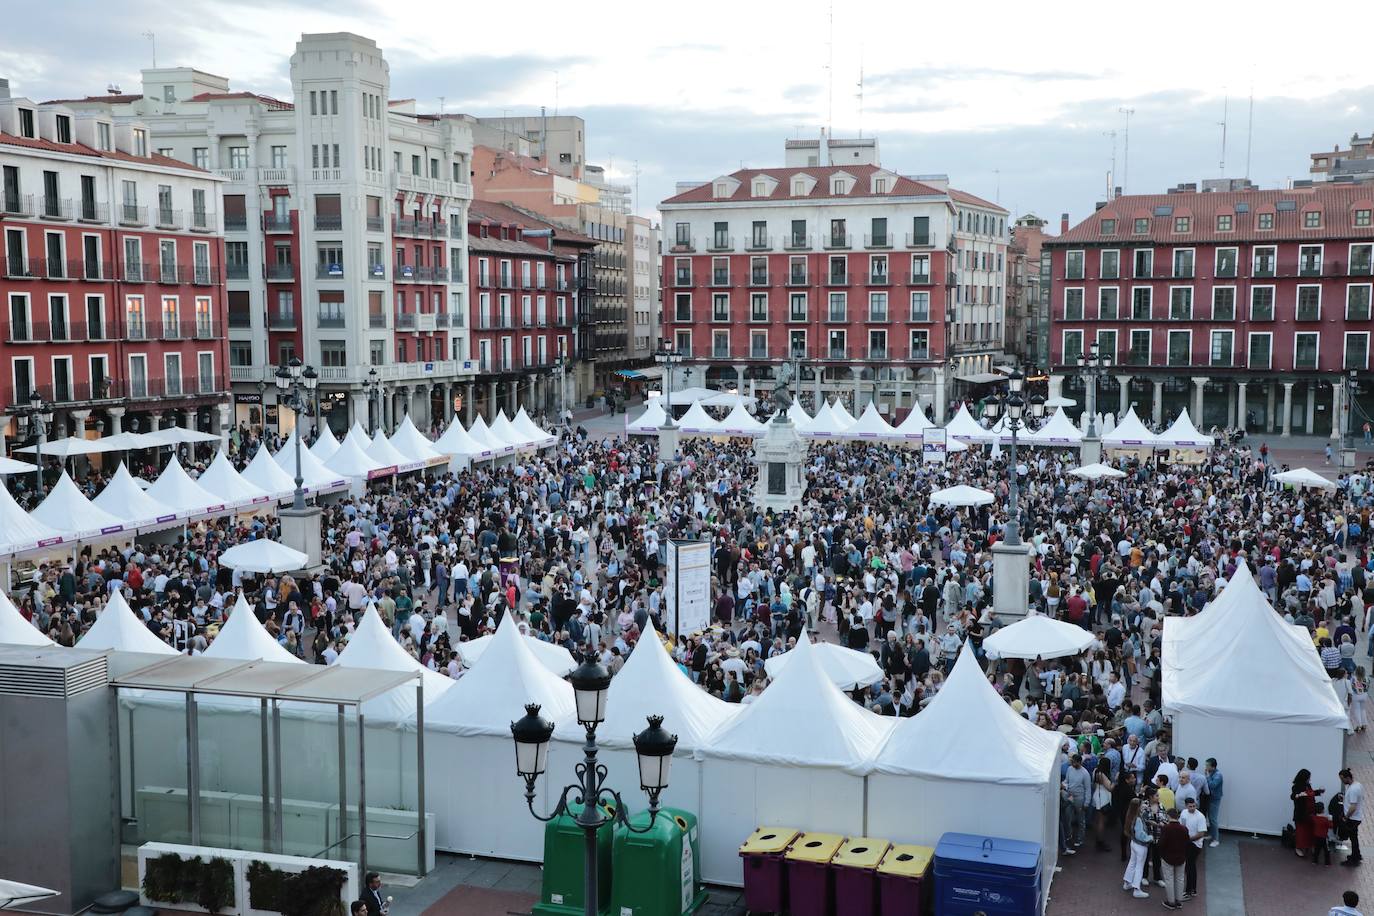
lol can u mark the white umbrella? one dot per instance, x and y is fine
(1098, 471)
(845, 668)
(12, 892)
(1060, 401)
(10, 466)
(263, 556)
(65, 448)
(178, 435)
(1303, 477)
(961, 495)
(1038, 636)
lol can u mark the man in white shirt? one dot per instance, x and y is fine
(1116, 691)
(1186, 790)
(1196, 822)
(1354, 814)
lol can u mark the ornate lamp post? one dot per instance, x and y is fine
(1347, 420)
(294, 388)
(1014, 403)
(373, 387)
(667, 356)
(40, 416)
(1092, 366)
(654, 747)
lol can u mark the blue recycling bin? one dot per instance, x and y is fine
(986, 875)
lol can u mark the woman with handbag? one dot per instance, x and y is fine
(1304, 798)
(1102, 802)
(1140, 844)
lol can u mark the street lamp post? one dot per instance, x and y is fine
(373, 387)
(294, 387)
(1092, 366)
(667, 356)
(1014, 403)
(654, 747)
(40, 415)
(1347, 450)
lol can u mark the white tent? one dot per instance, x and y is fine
(263, 556)
(65, 448)
(1303, 477)
(482, 434)
(1129, 433)
(796, 756)
(1097, 471)
(225, 483)
(961, 495)
(697, 420)
(243, 637)
(842, 416)
(10, 466)
(847, 668)
(478, 800)
(265, 474)
(1058, 430)
(502, 427)
(999, 776)
(915, 423)
(325, 443)
(373, 646)
(456, 441)
(359, 435)
(317, 478)
(826, 424)
(176, 489)
(527, 427)
(387, 455)
(649, 422)
(1038, 636)
(1212, 664)
(15, 630)
(964, 427)
(350, 461)
(1183, 434)
(67, 510)
(739, 422)
(18, 530)
(555, 658)
(871, 425)
(124, 499)
(179, 435)
(798, 415)
(118, 627)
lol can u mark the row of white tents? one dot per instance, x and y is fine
(126, 506)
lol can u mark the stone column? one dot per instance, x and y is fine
(1271, 418)
(4, 425)
(817, 390)
(491, 401)
(1125, 400)
(510, 400)
(937, 410)
(1157, 409)
(1337, 407)
(858, 388)
(1230, 405)
(1199, 382)
(1311, 408)
(1056, 384)
(739, 377)
(469, 390)
(1287, 409)
(1241, 387)
(78, 423)
(360, 409)
(116, 420)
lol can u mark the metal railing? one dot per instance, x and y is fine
(55, 208)
(168, 218)
(405, 321)
(794, 242)
(330, 320)
(920, 279)
(236, 271)
(880, 240)
(202, 221)
(281, 271)
(798, 279)
(329, 271)
(281, 321)
(721, 243)
(914, 240)
(272, 222)
(682, 246)
(133, 215)
(879, 279)
(759, 243)
(328, 223)
(16, 204)
(376, 224)
(376, 321)
(836, 241)
(92, 211)
(238, 223)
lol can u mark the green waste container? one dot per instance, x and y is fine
(563, 893)
(658, 873)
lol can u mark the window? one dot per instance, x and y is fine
(1141, 226)
(1183, 224)
(877, 269)
(1224, 222)
(1310, 260)
(1109, 264)
(877, 306)
(1262, 303)
(1181, 303)
(1144, 262)
(238, 157)
(1261, 350)
(140, 142)
(64, 129)
(171, 374)
(838, 269)
(1073, 347)
(1356, 350)
(920, 268)
(138, 376)
(1107, 303)
(333, 101)
(1264, 260)
(880, 186)
(240, 353)
(1141, 303)
(920, 230)
(1357, 296)
(1180, 348)
(877, 345)
(758, 271)
(1183, 262)
(920, 306)
(200, 157)
(720, 271)
(1361, 260)
(837, 186)
(760, 189)
(1222, 348)
(758, 345)
(102, 136)
(166, 152)
(1073, 304)
(1309, 305)
(333, 354)
(722, 189)
(720, 344)
(838, 237)
(1265, 221)
(1073, 265)
(720, 307)
(1223, 303)
(1362, 217)
(165, 216)
(1138, 353)
(837, 345)
(837, 307)
(1312, 219)
(920, 345)
(720, 235)
(1107, 227)
(878, 236)
(1305, 350)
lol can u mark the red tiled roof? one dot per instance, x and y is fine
(965, 197)
(1335, 201)
(108, 97)
(903, 187)
(507, 212)
(229, 96)
(80, 149)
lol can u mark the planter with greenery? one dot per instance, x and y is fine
(209, 884)
(316, 891)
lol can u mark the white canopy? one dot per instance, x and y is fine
(527, 427)
(1129, 433)
(225, 483)
(1097, 471)
(1303, 477)
(1183, 434)
(373, 646)
(871, 425)
(842, 416)
(697, 420)
(325, 444)
(963, 426)
(491, 696)
(847, 668)
(482, 434)
(803, 720)
(350, 461)
(1060, 401)
(739, 422)
(263, 556)
(961, 495)
(502, 427)
(67, 510)
(314, 474)
(65, 448)
(915, 423)
(124, 499)
(386, 454)
(994, 744)
(242, 637)
(126, 441)
(826, 424)
(709, 397)
(12, 893)
(1038, 636)
(118, 627)
(177, 435)
(556, 658)
(176, 489)
(19, 531)
(649, 422)
(1058, 430)
(15, 630)
(798, 415)
(359, 435)
(456, 441)
(10, 466)
(265, 474)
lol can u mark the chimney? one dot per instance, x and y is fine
(1099, 205)
(1063, 223)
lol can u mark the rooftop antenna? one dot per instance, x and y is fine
(636, 204)
(152, 40)
(1126, 164)
(997, 195)
(1225, 101)
(830, 70)
(442, 99)
(1249, 130)
(555, 92)
(861, 91)
(1111, 176)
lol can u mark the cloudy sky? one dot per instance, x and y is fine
(1014, 101)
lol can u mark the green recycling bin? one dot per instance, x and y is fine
(563, 891)
(658, 873)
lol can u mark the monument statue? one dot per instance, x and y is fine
(782, 398)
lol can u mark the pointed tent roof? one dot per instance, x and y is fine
(502, 427)
(1097, 471)
(483, 435)
(18, 530)
(325, 443)
(359, 435)
(373, 646)
(175, 488)
(1183, 434)
(456, 441)
(118, 627)
(264, 473)
(842, 416)
(1213, 660)
(697, 420)
(847, 668)
(822, 419)
(525, 425)
(651, 683)
(826, 424)
(915, 423)
(1129, 432)
(222, 481)
(1305, 477)
(124, 499)
(871, 425)
(798, 415)
(650, 421)
(961, 495)
(739, 421)
(491, 696)
(15, 630)
(243, 637)
(412, 443)
(351, 461)
(803, 719)
(963, 426)
(1038, 636)
(314, 474)
(382, 451)
(995, 744)
(556, 658)
(67, 510)
(1058, 430)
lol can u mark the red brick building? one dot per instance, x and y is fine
(1244, 306)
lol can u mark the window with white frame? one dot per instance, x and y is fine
(1108, 303)
(1180, 348)
(1223, 303)
(1181, 303)
(1073, 303)
(1356, 354)
(1260, 350)
(1261, 303)
(796, 308)
(1357, 297)
(1306, 350)
(1073, 347)
(920, 305)
(1222, 349)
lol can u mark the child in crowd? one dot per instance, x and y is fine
(1321, 834)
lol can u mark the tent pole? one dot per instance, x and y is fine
(343, 780)
(362, 793)
(266, 779)
(193, 768)
(276, 776)
(420, 838)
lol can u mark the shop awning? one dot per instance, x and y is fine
(651, 372)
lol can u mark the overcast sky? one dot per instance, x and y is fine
(1012, 101)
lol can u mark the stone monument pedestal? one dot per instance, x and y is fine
(1010, 581)
(668, 438)
(779, 454)
(300, 530)
(1347, 459)
(1090, 451)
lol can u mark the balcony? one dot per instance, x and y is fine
(404, 226)
(1137, 357)
(879, 279)
(1306, 361)
(835, 353)
(721, 243)
(1263, 269)
(328, 223)
(376, 224)
(720, 351)
(168, 218)
(1183, 271)
(683, 246)
(758, 279)
(272, 222)
(441, 319)
(92, 212)
(920, 279)
(922, 240)
(682, 281)
(91, 270)
(880, 240)
(204, 276)
(330, 320)
(837, 241)
(876, 354)
(878, 316)
(837, 280)
(133, 215)
(202, 221)
(759, 243)
(951, 280)
(837, 316)
(1310, 268)
(1226, 271)
(797, 279)
(505, 281)
(329, 271)
(240, 321)
(425, 321)
(236, 271)
(376, 321)
(55, 208)
(919, 354)
(1361, 266)
(236, 222)
(405, 321)
(281, 321)
(1307, 312)
(16, 204)
(376, 271)
(174, 274)
(720, 281)
(795, 242)
(279, 273)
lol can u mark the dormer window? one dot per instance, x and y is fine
(760, 189)
(1312, 219)
(102, 135)
(169, 93)
(140, 142)
(722, 189)
(26, 122)
(837, 186)
(64, 129)
(1362, 217)
(880, 186)
(1183, 224)
(1109, 227)
(798, 188)
(1224, 222)
(1265, 221)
